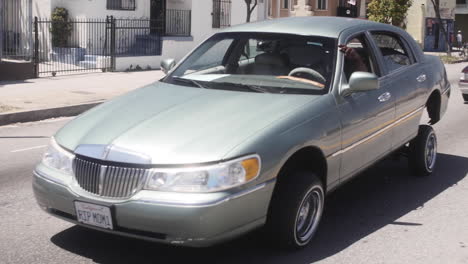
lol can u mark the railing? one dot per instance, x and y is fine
(79, 45)
(16, 29)
(178, 22)
(73, 46)
(138, 37)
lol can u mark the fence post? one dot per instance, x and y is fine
(112, 44)
(1, 29)
(36, 47)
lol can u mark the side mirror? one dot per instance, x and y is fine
(361, 82)
(167, 65)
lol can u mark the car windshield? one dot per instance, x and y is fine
(258, 62)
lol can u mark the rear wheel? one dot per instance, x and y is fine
(423, 151)
(296, 210)
(465, 97)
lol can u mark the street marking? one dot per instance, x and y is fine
(26, 149)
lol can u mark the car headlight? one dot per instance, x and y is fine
(58, 158)
(211, 178)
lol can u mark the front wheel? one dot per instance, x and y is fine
(423, 151)
(296, 210)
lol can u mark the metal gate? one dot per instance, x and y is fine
(73, 46)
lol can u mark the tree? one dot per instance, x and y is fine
(389, 11)
(436, 4)
(250, 8)
(61, 28)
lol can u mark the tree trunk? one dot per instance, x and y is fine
(250, 10)
(249, 14)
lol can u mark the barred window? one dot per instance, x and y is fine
(221, 13)
(322, 4)
(121, 4)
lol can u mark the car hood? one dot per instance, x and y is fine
(169, 124)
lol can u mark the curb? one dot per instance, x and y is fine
(41, 114)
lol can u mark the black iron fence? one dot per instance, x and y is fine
(137, 37)
(15, 29)
(78, 45)
(83, 45)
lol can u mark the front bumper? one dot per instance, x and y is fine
(214, 218)
(463, 84)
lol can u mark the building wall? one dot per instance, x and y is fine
(422, 9)
(42, 8)
(415, 20)
(332, 8)
(98, 9)
(177, 48)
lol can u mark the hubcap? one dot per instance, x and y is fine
(308, 215)
(431, 151)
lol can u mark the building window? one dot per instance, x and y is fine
(322, 4)
(461, 2)
(221, 13)
(285, 4)
(121, 4)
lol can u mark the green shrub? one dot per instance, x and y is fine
(61, 27)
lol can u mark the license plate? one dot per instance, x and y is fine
(93, 214)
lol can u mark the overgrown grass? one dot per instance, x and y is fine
(7, 108)
(449, 59)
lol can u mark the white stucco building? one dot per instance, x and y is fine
(186, 22)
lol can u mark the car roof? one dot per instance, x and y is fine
(308, 26)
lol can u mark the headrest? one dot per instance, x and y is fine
(305, 54)
(269, 59)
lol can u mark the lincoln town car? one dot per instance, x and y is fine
(250, 130)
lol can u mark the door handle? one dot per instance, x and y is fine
(421, 78)
(384, 97)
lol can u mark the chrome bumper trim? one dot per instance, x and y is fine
(166, 203)
(211, 203)
(379, 132)
(47, 178)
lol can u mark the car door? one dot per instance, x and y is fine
(365, 116)
(403, 76)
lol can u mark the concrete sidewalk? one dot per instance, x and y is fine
(37, 99)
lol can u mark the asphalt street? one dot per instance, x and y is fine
(385, 215)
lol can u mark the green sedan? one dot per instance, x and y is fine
(252, 129)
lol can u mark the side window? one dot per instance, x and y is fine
(393, 51)
(213, 56)
(251, 49)
(357, 57)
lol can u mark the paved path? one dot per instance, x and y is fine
(68, 90)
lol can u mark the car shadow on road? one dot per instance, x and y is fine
(375, 199)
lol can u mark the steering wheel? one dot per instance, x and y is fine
(308, 73)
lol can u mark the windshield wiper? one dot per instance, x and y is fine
(189, 81)
(253, 88)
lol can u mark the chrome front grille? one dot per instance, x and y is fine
(108, 181)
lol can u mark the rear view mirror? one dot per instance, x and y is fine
(167, 65)
(361, 82)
